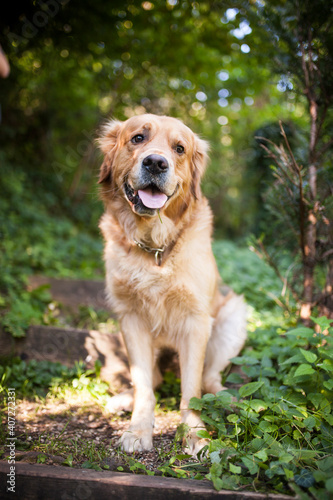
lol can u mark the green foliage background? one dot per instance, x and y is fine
(220, 67)
(208, 63)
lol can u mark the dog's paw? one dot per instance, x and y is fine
(120, 402)
(135, 439)
(193, 444)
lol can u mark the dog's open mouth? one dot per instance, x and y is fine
(150, 197)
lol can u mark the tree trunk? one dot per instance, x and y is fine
(326, 302)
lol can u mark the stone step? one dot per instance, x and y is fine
(68, 345)
(73, 292)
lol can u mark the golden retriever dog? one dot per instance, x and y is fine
(161, 275)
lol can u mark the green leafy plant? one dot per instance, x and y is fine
(37, 378)
(279, 429)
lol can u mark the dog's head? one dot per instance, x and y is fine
(152, 161)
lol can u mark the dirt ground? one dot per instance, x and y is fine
(49, 432)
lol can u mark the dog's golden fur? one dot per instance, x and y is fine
(172, 298)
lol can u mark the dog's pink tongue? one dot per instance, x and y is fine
(152, 199)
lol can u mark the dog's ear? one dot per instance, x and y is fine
(198, 165)
(108, 144)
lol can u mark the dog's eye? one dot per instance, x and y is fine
(180, 149)
(137, 138)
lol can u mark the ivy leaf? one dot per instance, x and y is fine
(305, 479)
(248, 389)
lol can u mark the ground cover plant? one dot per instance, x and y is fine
(279, 429)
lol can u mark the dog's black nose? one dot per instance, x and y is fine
(155, 164)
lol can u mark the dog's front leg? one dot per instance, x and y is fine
(192, 355)
(139, 435)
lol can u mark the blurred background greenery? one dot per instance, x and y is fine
(230, 70)
(212, 64)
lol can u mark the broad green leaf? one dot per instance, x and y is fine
(250, 464)
(68, 461)
(233, 418)
(304, 369)
(297, 358)
(317, 399)
(267, 426)
(248, 389)
(285, 457)
(235, 469)
(208, 397)
(289, 474)
(215, 474)
(304, 479)
(297, 434)
(327, 365)
(196, 404)
(310, 422)
(244, 360)
(303, 454)
(310, 357)
(262, 455)
(258, 405)
(215, 457)
(329, 485)
(234, 378)
(203, 434)
(224, 397)
(215, 445)
(302, 331)
(323, 322)
(328, 384)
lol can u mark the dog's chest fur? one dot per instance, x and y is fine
(167, 295)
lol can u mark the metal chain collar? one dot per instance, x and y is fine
(157, 251)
